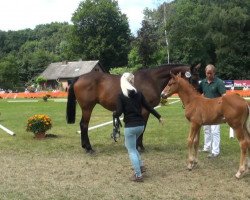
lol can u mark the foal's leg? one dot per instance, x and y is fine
(191, 156)
(196, 144)
(243, 147)
(84, 124)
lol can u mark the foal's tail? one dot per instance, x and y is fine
(71, 105)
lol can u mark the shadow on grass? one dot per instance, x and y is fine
(50, 135)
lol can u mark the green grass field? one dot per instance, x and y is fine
(58, 169)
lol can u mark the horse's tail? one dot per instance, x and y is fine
(71, 105)
(248, 121)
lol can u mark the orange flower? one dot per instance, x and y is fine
(39, 123)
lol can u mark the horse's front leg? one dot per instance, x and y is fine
(139, 142)
(84, 132)
(192, 156)
(243, 147)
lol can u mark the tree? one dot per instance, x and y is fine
(214, 32)
(9, 75)
(101, 32)
(33, 64)
(147, 40)
(187, 32)
(49, 44)
(151, 39)
(229, 24)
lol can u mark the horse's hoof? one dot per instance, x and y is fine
(190, 167)
(141, 148)
(90, 151)
(195, 164)
(240, 174)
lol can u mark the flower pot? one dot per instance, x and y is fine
(40, 136)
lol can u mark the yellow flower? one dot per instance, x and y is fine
(39, 123)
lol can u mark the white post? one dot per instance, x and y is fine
(7, 130)
(166, 31)
(231, 133)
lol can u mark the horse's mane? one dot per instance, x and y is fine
(161, 66)
(191, 86)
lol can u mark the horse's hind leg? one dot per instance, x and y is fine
(244, 147)
(84, 131)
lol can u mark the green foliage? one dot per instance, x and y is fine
(211, 32)
(147, 40)
(204, 32)
(9, 72)
(34, 63)
(32, 51)
(151, 40)
(11, 41)
(101, 32)
(134, 57)
(121, 70)
(40, 80)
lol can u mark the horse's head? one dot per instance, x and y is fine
(191, 74)
(194, 79)
(172, 86)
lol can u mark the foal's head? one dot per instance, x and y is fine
(172, 86)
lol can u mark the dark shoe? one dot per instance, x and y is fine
(212, 155)
(143, 169)
(136, 178)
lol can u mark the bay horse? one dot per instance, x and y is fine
(103, 88)
(230, 108)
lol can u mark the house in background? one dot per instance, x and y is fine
(61, 74)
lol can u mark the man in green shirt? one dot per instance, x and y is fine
(212, 87)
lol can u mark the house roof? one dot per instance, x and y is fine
(69, 69)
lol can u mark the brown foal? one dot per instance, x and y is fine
(230, 108)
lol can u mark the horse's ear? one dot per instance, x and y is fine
(172, 74)
(198, 66)
(195, 67)
(179, 74)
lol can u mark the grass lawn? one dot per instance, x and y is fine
(57, 168)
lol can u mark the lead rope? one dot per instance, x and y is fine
(116, 128)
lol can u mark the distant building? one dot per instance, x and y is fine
(61, 74)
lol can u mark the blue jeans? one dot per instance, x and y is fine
(131, 134)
